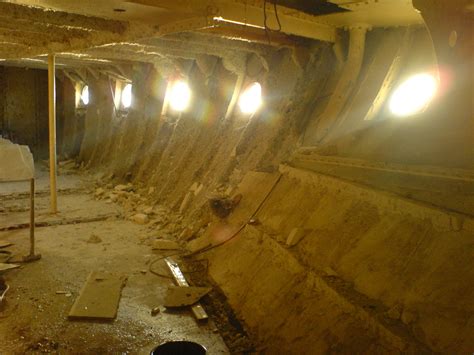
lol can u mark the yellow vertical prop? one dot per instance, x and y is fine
(52, 132)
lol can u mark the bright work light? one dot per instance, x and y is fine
(179, 95)
(413, 95)
(127, 96)
(85, 95)
(251, 99)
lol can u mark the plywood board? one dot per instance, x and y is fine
(16, 161)
(99, 298)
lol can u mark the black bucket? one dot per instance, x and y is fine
(179, 348)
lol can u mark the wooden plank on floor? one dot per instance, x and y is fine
(99, 297)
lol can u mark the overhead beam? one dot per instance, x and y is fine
(189, 24)
(134, 32)
(11, 11)
(250, 13)
(163, 57)
(203, 42)
(126, 51)
(64, 61)
(46, 34)
(178, 45)
(207, 24)
(147, 53)
(292, 21)
(25, 41)
(40, 27)
(82, 32)
(251, 34)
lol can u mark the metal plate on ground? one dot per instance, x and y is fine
(178, 296)
(99, 298)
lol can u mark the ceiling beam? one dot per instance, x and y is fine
(80, 32)
(33, 39)
(37, 27)
(252, 35)
(9, 11)
(126, 51)
(292, 22)
(147, 53)
(204, 43)
(78, 44)
(250, 13)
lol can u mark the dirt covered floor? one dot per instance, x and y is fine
(98, 231)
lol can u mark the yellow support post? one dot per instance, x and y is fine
(52, 132)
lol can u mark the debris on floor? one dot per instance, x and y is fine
(187, 234)
(44, 346)
(223, 206)
(5, 255)
(67, 167)
(155, 311)
(68, 242)
(4, 267)
(140, 218)
(3, 289)
(164, 244)
(94, 239)
(99, 192)
(65, 293)
(177, 296)
(197, 309)
(99, 298)
(5, 244)
(295, 237)
(121, 187)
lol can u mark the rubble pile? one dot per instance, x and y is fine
(140, 208)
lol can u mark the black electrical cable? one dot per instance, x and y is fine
(276, 15)
(265, 18)
(267, 28)
(241, 227)
(215, 245)
(265, 21)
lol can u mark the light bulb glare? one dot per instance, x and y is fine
(85, 95)
(251, 99)
(127, 96)
(179, 95)
(413, 95)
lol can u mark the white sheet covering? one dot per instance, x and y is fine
(16, 161)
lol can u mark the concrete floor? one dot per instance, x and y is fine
(34, 318)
